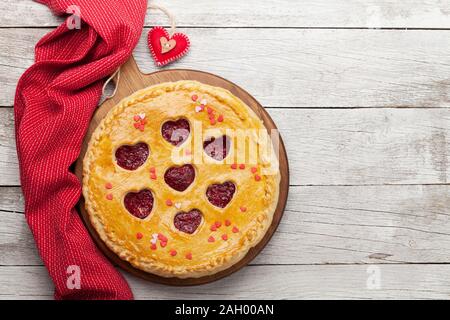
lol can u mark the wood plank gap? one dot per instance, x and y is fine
(326, 108)
(369, 185)
(324, 185)
(279, 264)
(260, 27)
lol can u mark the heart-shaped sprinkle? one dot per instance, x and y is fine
(234, 166)
(235, 230)
(139, 121)
(163, 244)
(220, 195)
(108, 185)
(243, 209)
(173, 252)
(131, 157)
(153, 246)
(220, 118)
(194, 97)
(227, 223)
(139, 235)
(242, 166)
(188, 222)
(169, 202)
(177, 205)
(162, 237)
(257, 177)
(176, 132)
(218, 224)
(180, 178)
(189, 256)
(254, 169)
(109, 196)
(224, 237)
(213, 228)
(217, 148)
(139, 204)
(211, 239)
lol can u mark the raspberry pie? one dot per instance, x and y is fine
(181, 179)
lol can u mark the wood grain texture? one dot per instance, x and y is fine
(330, 222)
(266, 282)
(335, 146)
(317, 68)
(132, 80)
(267, 13)
(321, 225)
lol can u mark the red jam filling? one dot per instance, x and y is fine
(180, 178)
(176, 132)
(188, 222)
(132, 157)
(139, 204)
(220, 194)
(217, 148)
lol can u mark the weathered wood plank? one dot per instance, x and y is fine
(9, 164)
(335, 146)
(321, 225)
(267, 13)
(316, 68)
(267, 282)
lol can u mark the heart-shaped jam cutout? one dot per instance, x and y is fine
(188, 222)
(139, 204)
(132, 157)
(217, 148)
(180, 178)
(176, 132)
(220, 194)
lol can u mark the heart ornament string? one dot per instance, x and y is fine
(165, 47)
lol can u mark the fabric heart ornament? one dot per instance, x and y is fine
(166, 48)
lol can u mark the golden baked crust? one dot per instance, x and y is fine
(244, 220)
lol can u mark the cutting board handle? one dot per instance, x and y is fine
(130, 79)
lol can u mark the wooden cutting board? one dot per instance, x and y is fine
(131, 80)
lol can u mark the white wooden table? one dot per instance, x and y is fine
(360, 90)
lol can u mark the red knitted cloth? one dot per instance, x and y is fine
(55, 99)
